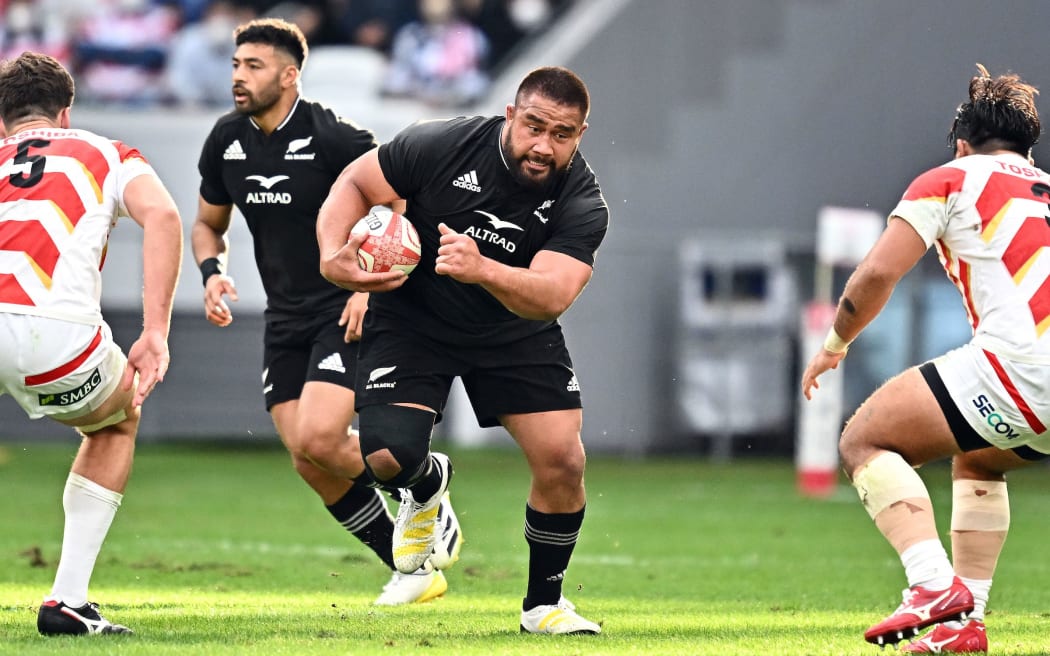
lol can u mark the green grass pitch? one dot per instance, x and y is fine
(222, 550)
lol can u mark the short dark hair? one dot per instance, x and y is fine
(558, 84)
(1000, 114)
(275, 32)
(31, 85)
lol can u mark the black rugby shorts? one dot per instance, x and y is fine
(299, 350)
(398, 365)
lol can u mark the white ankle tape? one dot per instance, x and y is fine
(885, 480)
(980, 506)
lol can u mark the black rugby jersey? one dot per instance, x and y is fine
(278, 182)
(453, 172)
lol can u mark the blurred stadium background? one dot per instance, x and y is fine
(719, 130)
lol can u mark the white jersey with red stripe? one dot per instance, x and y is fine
(988, 217)
(61, 192)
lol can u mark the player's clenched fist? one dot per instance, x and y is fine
(458, 256)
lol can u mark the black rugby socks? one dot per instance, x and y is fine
(552, 538)
(363, 512)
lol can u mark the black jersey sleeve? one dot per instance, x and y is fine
(347, 141)
(580, 219)
(212, 188)
(410, 159)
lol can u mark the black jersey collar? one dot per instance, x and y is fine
(283, 123)
(499, 146)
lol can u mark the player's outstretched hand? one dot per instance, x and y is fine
(820, 363)
(458, 256)
(148, 360)
(215, 308)
(353, 316)
(342, 268)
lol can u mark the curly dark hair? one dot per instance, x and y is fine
(275, 32)
(33, 85)
(1000, 114)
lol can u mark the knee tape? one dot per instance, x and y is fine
(405, 432)
(885, 480)
(980, 506)
(366, 479)
(113, 419)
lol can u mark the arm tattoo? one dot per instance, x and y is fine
(848, 306)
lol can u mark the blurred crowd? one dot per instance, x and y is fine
(177, 52)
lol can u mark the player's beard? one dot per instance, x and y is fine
(517, 167)
(256, 105)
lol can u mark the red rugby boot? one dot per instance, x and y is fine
(920, 609)
(968, 639)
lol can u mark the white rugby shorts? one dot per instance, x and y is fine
(1004, 401)
(57, 369)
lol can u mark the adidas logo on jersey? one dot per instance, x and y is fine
(573, 385)
(234, 151)
(468, 181)
(332, 363)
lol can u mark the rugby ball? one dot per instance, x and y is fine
(392, 243)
